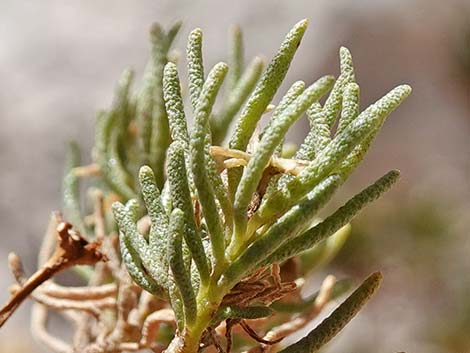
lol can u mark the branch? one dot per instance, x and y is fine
(71, 250)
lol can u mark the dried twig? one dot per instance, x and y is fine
(152, 324)
(38, 328)
(234, 158)
(87, 170)
(72, 249)
(252, 333)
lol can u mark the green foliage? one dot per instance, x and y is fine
(218, 216)
(334, 323)
(70, 188)
(178, 267)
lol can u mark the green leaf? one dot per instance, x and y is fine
(334, 323)
(160, 138)
(292, 93)
(181, 199)
(178, 267)
(350, 108)
(172, 33)
(137, 247)
(277, 129)
(285, 228)
(322, 253)
(134, 250)
(117, 175)
(333, 104)
(198, 160)
(239, 312)
(195, 66)
(358, 153)
(158, 236)
(335, 221)
(174, 105)
(332, 155)
(264, 93)
(134, 266)
(221, 122)
(150, 87)
(176, 302)
(111, 132)
(235, 58)
(320, 133)
(218, 185)
(71, 188)
(267, 87)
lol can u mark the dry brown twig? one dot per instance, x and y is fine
(71, 249)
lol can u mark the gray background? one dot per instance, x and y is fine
(59, 61)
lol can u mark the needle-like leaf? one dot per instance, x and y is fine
(177, 265)
(181, 199)
(264, 93)
(334, 153)
(330, 327)
(198, 160)
(285, 228)
(195, 66)
(334, 222)
(271, 139)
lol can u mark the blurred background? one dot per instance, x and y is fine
(58, 65)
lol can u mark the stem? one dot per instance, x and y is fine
(208, 301)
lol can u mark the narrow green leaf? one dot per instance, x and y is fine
(236, 57)
(117, 175)
(176, 302)
(71, 188)
(178, 267)
(198, 160)
(134, 250)
(332, 155)
(220, 190)
(221, 122)
(350, 108)
(263, 94)
(267, 87)
(158, 236)
(195, 66)
(160, 135)
(333, 104)
(334, 222)
(174, 105)
(181, 199)
(103, 126)
(320, 133)
(172, 33)
(285, 228)
(134, 267)
(277, 129)
(334, 323)
(358, 153)
(110, 133)
(148, 92)
(136, 245)
(292, 93)
(238, 312)
(322, 253)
